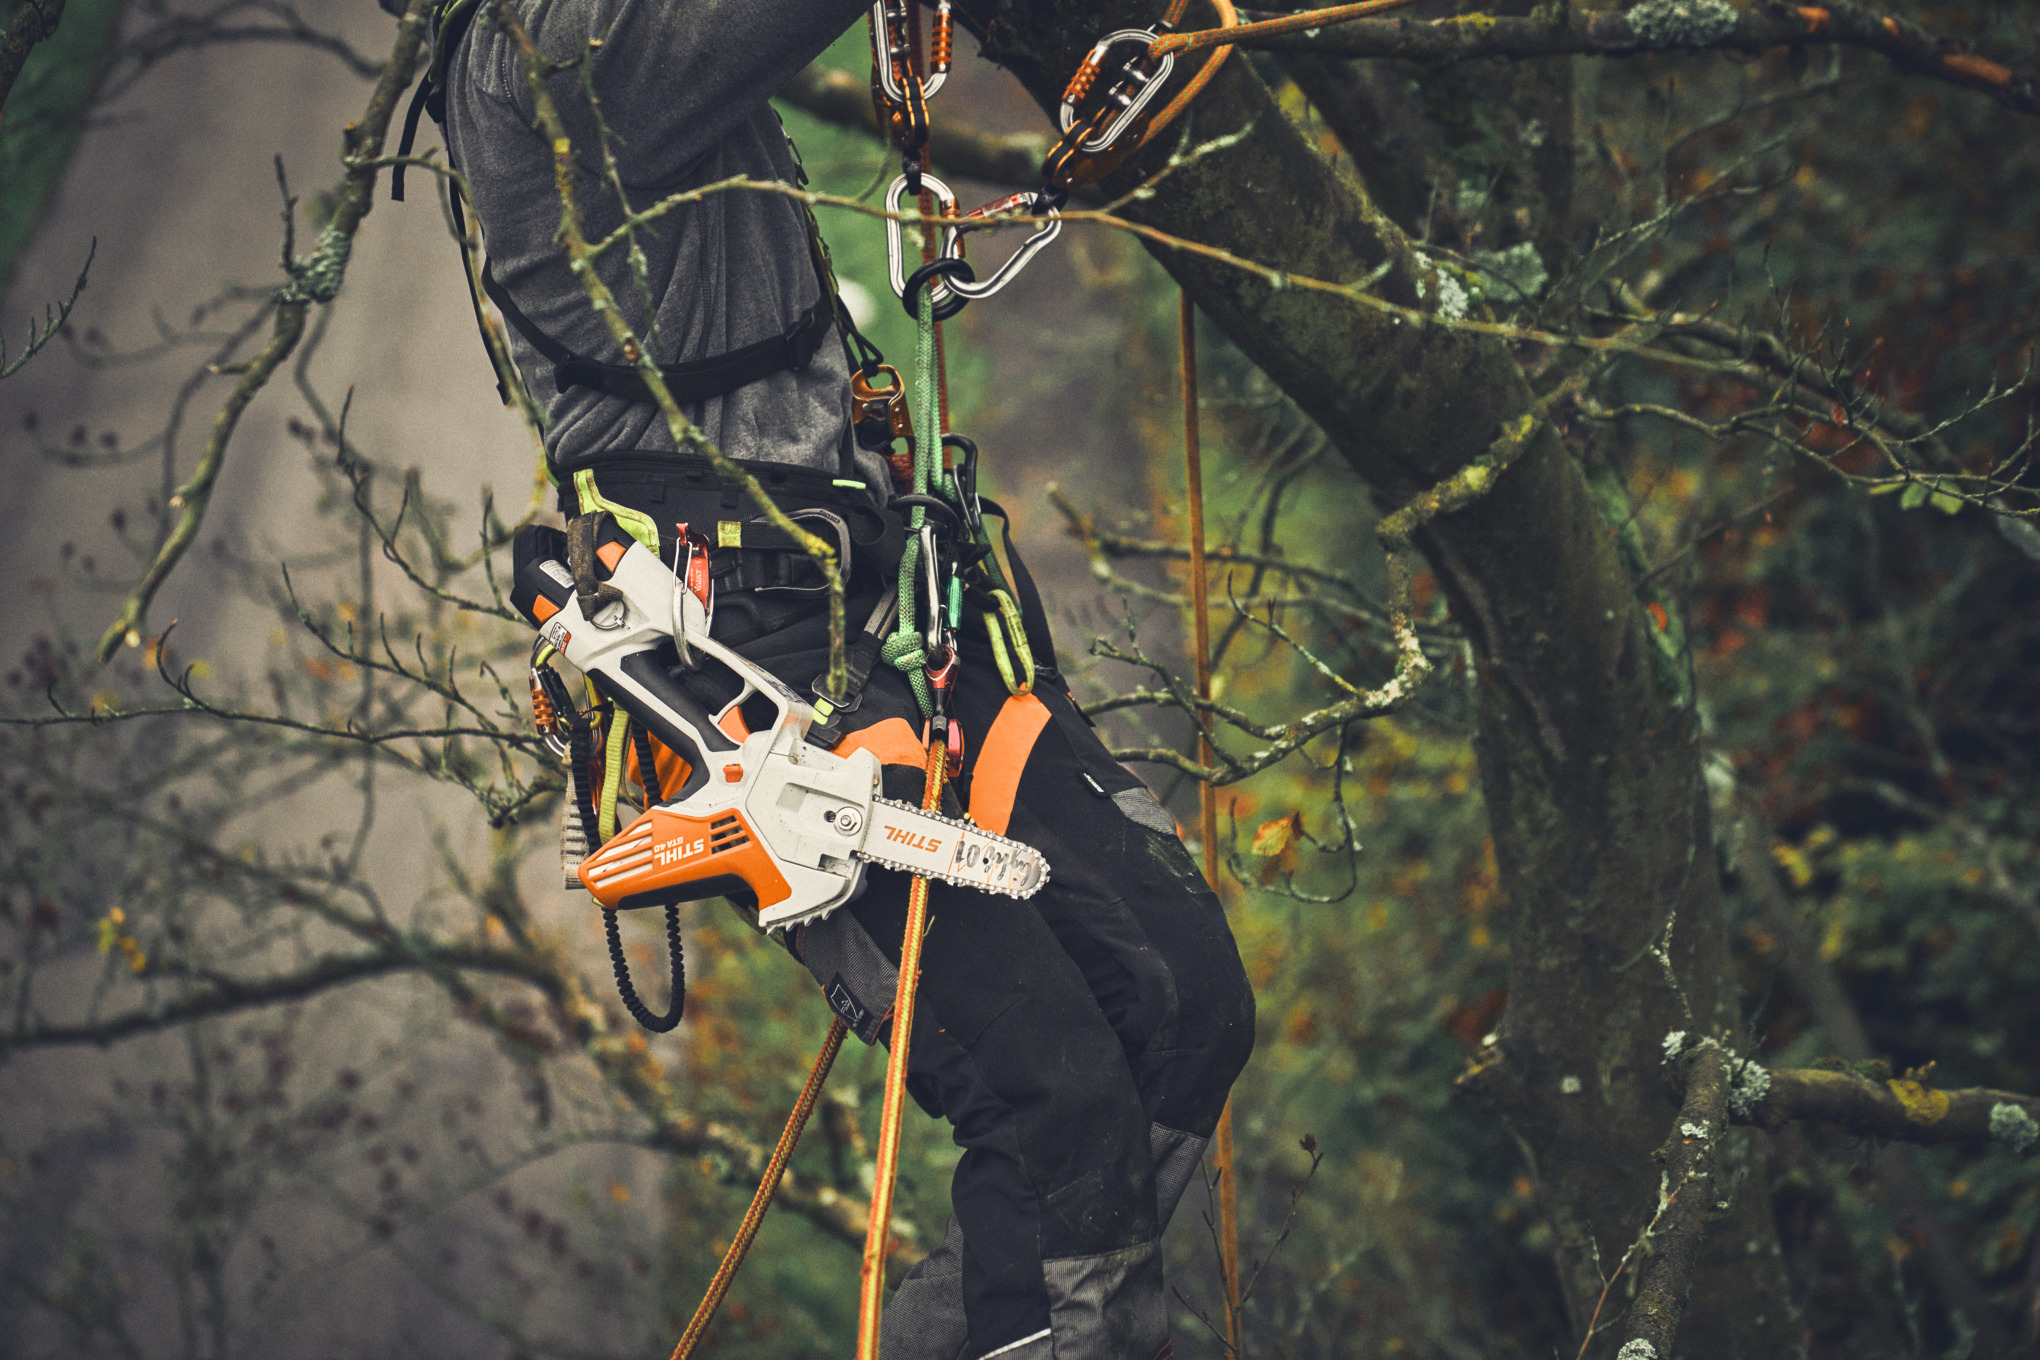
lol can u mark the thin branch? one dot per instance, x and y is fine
(1687, 1191)
(54, 317)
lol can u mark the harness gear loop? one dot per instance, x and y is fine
(1006, 628)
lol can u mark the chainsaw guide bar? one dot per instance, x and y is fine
(982, 859)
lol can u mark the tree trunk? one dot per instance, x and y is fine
(1587, 733)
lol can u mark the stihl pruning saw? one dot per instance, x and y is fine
(761, 814)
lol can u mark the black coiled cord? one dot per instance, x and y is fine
(657, 1024)
(648, 777)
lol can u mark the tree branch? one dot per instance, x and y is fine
(1684, 1198)
(1585, 33)
(224, 995)
(1897, 1109)
(315, 279)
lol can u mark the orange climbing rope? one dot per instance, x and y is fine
(871, 1291)
(1229, 22)
(1226, 35)
(774, 1170)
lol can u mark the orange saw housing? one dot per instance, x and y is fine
(665, 857)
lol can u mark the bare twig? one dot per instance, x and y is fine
(54, 317)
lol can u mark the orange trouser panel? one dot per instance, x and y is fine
(893, 741)
(995, 778)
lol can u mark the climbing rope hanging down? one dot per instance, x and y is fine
(775, 1169)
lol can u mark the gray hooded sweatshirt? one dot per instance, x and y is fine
(683, 85)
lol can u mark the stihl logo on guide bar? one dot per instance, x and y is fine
(928, 844)
(673, 851)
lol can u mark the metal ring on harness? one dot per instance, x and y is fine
(947, 304)
(895, 246)
(933, 503)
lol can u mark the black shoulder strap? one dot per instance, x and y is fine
(691, 382)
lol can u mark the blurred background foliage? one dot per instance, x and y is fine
(1868, 668)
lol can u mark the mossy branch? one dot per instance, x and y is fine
(1896, 1109)
(1718, 28)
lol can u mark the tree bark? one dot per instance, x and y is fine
(1586, 739)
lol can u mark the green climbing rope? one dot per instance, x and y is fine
(906, 650)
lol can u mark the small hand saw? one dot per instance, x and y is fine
(761, 814)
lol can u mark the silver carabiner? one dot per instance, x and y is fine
(1151, 85)
(1021, 258)
(931, 628)
(884, 14)
(895, 247)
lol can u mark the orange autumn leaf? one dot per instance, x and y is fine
(1276, 842)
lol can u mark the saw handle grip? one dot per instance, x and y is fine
(653, 698)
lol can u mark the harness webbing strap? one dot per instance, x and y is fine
(636, 523)
(694, 381)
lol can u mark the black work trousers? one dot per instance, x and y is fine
(1081, 1043)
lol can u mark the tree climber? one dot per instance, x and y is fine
(1081, 1043)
